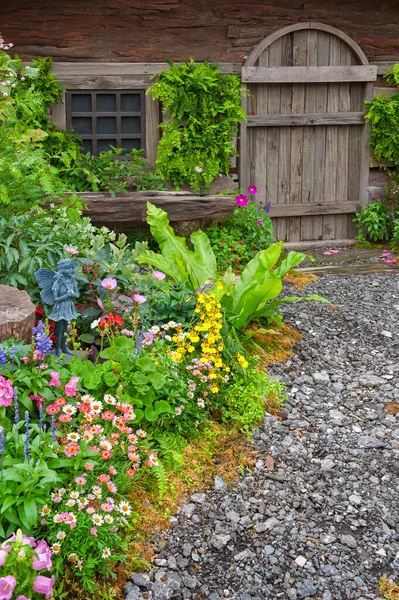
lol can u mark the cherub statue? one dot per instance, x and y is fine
(58, 290)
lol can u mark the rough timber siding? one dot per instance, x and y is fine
(151, 30)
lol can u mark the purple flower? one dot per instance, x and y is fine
(43, 585)
(53, 436)
(252, 189)
(393, 216)
(267, 208)
(27, 435)
(159, 275)
(3, 357)
(43, 560)
(42, 342)
(242, 200)
(259, 222)
(16, 411)
(7, 586)
(148, 338)
(109, 283)
(2, 442)
(139, 298)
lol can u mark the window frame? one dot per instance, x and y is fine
(118, 114)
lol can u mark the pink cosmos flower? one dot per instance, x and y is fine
(55, 379)
(7, 586)
(6, 392)
(252, 189)
(71, 250)
(71, 387)
(159, 275)
(43, 585)
(242, 200)
(139, 298)
(109, 283)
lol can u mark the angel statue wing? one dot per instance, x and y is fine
(45, 278)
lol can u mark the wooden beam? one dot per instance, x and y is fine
(342, 118)
(309, 74)
(384, 65)
(102, 69)
(314, 208)
(180, 206)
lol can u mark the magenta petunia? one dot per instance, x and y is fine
(252, 189)
(6, 392)
(242, 200)
(259, 222)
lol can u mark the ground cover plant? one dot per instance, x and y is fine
(236, 239)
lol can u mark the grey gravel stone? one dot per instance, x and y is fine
(332, 498)
(134, 593)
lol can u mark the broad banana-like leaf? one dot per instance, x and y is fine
(199, 265)
(271, 306)
(254, 299)
(292, 260)
(256, 271)
(168, 265)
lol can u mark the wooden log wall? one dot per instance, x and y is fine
(152, 30)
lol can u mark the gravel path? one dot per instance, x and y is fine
(324, 523)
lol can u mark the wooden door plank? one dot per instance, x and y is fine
(152, 131)
(303, 74)
(299, 56)
(341, 226)
(304, 209)
(355, 143)
(309, 140)
(312, 119)
(244, 146)
(285, 139)
(273, 134)
(330, 175)
(323, 57)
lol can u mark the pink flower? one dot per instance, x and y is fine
(72, 449)
(109, 283)
(159, 275)
(139, 298)
(71, 250)
(55, 379)
(93, 531)
(44, 557)
(3, 556)
(43, 585)
(259, 223)
(198, 169)
(7, 586)
(242, 200)
(22, 598)
(6, 393)
(252, 189)
(71, 387)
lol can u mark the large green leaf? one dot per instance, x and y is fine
(177, 260)
(256, 272)
(254, 298)
(292, 260)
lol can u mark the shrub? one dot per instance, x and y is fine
(202, 108)
(374, 223)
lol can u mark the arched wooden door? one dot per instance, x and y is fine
(305, 145)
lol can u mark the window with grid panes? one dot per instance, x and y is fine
(107, 118)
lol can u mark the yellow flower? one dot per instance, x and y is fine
(214, 389)
(190, 348)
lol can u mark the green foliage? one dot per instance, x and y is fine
(202, 108)
(176, 259)
(374, 223)
(25, 485)
(392, 75)
(39, 238)
(244, 400)
(383, 114)
(238, 238)
(113, 171)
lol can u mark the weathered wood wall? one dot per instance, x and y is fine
(151, 30)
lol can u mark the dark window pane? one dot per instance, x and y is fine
(130, 102)
(87, 146)
(130, 125)
(106, 125)
(130, 145)
(103, 145)
(81, 102)
(81, 125)
(106, 102)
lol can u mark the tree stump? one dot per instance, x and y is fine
(17, 314)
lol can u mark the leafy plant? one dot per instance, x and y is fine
(374, 223)
(113, 171)
(244, 400)
(202, 107)
(239, 237)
